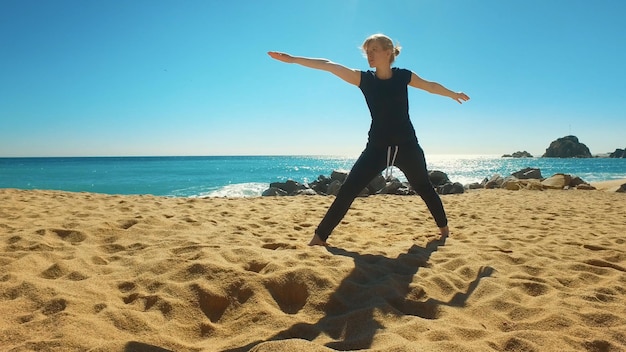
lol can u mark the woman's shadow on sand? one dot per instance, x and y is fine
(377, 285)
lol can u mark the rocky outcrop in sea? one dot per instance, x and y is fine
(618, 153)
(518, 154)
(567, 147)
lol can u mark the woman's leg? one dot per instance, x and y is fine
(370, 163)
(412, 162)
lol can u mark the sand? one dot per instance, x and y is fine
(610, 186)
(521, 271)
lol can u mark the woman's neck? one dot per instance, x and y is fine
(383, 72)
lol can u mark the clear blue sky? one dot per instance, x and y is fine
(154, 77)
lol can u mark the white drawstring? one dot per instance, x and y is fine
(389, 170)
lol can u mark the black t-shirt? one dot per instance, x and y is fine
(388, 102)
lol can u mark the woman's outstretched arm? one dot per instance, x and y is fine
(347, 74)
(436, 88)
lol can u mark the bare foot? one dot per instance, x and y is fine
(444, 231)
(316, 241)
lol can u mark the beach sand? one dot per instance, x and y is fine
(610, 186)
(521, 271)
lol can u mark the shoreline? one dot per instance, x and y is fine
(606, 185)
(184, 177)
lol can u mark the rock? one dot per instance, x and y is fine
(377, 184)
(339, 176)
(321, 184)
(533, 184)
(451, 188)
(518, 154)
(512, 184)
(320, 188)
(391, 187)
(495, 181)
(618, 153)
(457, 188)
(333, 187)
(288, 186)
(474, 185)
(274, 191)
(438, 178)
(527, 173)
(305, 192)
(622, 188)
(567, 147)
(576, 181)
(557, 181)
(585, 187)
(405, 190)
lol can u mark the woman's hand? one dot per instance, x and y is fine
(460, 97)
(281, 57)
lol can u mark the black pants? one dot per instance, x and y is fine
(373, 160)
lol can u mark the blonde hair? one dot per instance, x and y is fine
(385, 42)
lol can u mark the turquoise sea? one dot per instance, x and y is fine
(249, 176)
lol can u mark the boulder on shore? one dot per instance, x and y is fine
(379, 185)
(525, 179)
(557, 181)
(531, 179)
(528, 173)
(438, 178)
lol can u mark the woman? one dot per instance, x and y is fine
(392, 140)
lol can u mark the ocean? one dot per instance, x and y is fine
(249, 176)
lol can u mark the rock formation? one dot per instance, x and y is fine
(379, 185)
(618, 153)
(525, 179)
(567, 147)
(531, 179)
(518, 154)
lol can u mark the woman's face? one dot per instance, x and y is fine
(376, 55)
